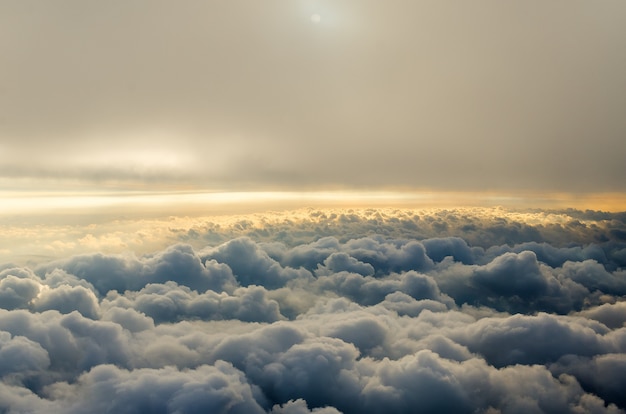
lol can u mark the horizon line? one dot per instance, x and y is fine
(58, 202)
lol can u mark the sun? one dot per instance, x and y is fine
(316, 18)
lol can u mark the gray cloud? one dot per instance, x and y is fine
(109, 389)
(66, 299)
(317, 232)
(300, 407)
(251, 264)
(169, 302)
(612, 315)
(21, 356)
(354, 323)
(178, 263)
(603, 375)
(16, 292)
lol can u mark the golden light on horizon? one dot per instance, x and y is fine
(184, 202)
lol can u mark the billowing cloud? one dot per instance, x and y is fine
(353, 322)
(178, 263)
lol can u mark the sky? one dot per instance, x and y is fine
(256, 96)
(312, 206)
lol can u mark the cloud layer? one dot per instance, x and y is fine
(496, 317)
(233, 95)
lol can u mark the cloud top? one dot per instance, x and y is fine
(352, 323)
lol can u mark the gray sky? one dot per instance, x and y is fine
(254, 95)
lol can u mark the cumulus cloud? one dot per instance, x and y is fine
(612, 315)
(354, 322)
(109, 389)
(170, 302)
(300, 407)
(252, 265)
(604, 375)
(178, 263)
(17, 292)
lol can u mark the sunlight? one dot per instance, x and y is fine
(131, 203)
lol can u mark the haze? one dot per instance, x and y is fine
(254, 96)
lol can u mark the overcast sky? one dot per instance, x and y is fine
(255, 95)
